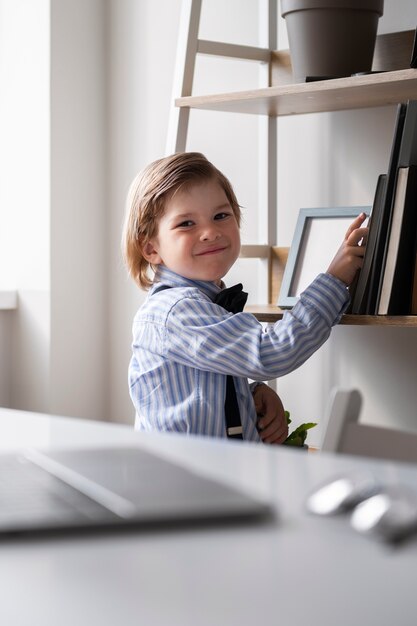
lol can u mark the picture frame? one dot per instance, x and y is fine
(318, 234)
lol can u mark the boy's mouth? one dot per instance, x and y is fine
(215, 250)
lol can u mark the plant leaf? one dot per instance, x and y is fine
(299, 435)
(296, 442)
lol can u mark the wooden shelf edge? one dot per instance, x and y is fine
(271, 313)
(380, 320)
(265, 312)
(322, 96)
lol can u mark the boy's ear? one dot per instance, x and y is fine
(151, 254)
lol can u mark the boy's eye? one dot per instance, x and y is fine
(221, 216)
(185, 224)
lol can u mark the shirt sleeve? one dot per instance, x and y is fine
(201, 334)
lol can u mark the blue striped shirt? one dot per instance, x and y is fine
(185, 345)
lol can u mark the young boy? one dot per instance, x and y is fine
(182, 223)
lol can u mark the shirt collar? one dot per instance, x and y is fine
(165, 276)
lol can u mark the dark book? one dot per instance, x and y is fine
(413, 61)
(358, 289)
(382, 227)
(408, 149)
(397, 284)
(413, 310)
(407, 156)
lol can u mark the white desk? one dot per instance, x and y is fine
(298, 570)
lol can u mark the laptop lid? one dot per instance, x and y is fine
(112, 488)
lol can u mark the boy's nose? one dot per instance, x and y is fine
(210, 233)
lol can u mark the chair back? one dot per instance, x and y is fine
(345, 434)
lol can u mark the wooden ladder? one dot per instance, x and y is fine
(189, 45)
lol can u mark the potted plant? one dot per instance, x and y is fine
(298, 436)
(331, 38)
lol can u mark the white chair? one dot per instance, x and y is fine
(345, 434)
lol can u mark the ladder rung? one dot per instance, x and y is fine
(217, 48)
(255, 251)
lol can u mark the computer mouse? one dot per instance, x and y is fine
(390, 515)
(342, 493)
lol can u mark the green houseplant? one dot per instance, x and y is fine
(298, 436)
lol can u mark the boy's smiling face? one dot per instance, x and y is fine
(198, 234)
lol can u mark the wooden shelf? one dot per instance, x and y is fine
(356, 92)
(271, 313)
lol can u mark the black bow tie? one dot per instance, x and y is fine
(232, 299)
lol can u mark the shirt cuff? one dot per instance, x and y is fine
(329, 296)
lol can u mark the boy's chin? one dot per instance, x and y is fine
(212, 279)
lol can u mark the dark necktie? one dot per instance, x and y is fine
(232, 299)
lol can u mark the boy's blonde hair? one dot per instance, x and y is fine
(146, 200)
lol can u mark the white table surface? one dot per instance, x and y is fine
(297, 570)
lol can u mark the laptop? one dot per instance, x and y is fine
(112, 488)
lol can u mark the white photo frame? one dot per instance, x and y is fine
(318, 234)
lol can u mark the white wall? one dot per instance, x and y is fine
(6, 319)
(54, 201)
(79, 210)
(24, 200)
(110, 93)
(24, 145)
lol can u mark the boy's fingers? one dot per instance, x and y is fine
(276, 437)
(271, 421)
(276, 430)
(355, 224)
(356, 236)
(266, 420)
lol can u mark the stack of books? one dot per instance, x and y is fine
(387, 282)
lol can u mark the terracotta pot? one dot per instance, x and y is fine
(331, 38)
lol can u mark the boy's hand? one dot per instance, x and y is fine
(349, 257)
(272, 423)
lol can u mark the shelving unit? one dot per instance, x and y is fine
(392, 85)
